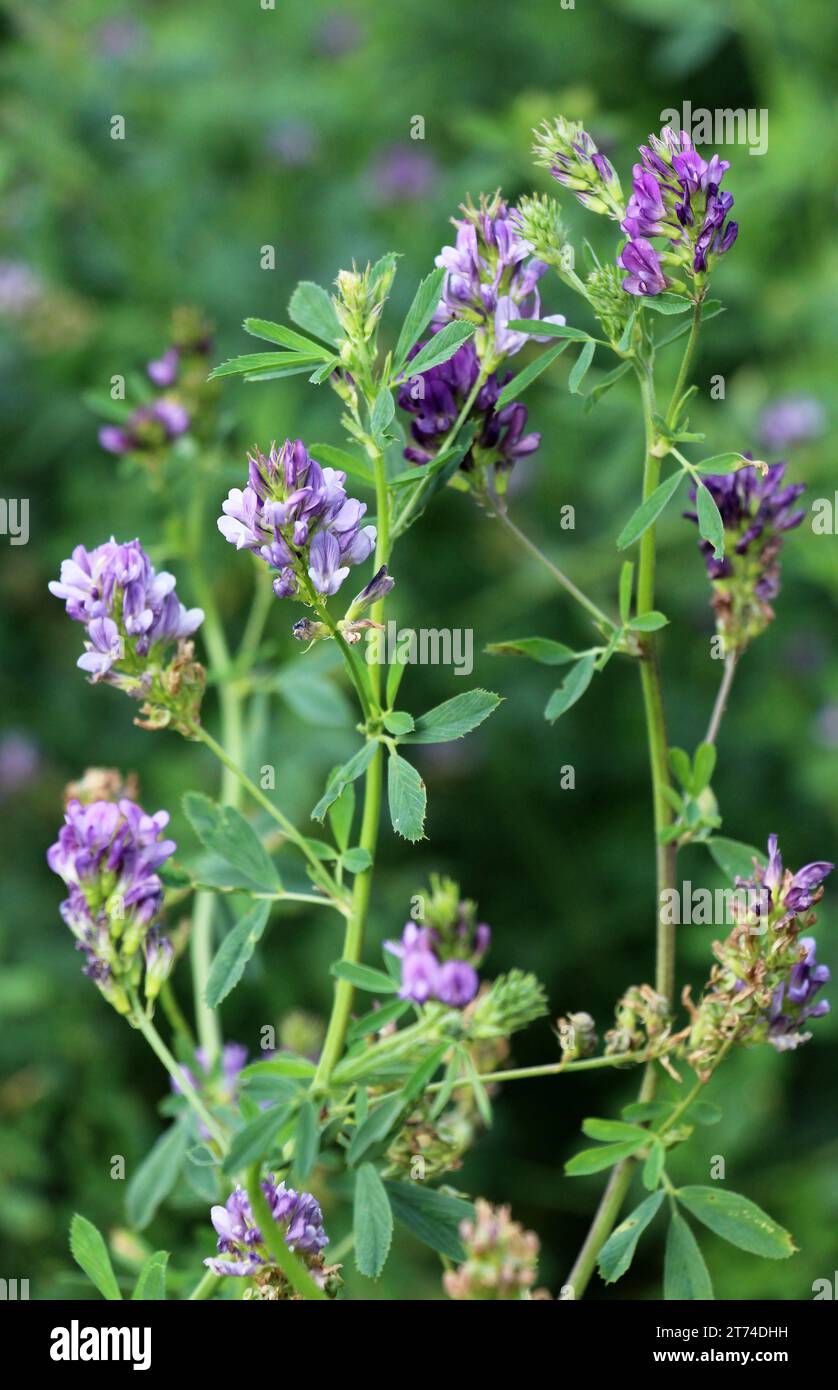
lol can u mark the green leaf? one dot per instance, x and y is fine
(312, 309)
(626, 587)
(737, 1220)
(440, 347)
(374, 1128)
(364, 977)
(356, 860)
(628, 333)
(226, 832)
(151, 1280)
(573, 687)
(710, 522)
(377, 1019)
(259, 362)
(433, 1217)
(649, 511)
(284, 1064)
(395, 676)
(605, 384)
(340, 458)
(156, 1175)
(541, 329)
(580, 367)
(255, 1139)
(667, 303)
(618, 1251)
(372, 1222)
(685, 1275)
(645, 1110)
(418, 315)
(514, 388)
(454, 718)
(542, 649)
(682, 767)
(704, 765)
(341, 816)
(704, 1112)
(648, 622)
(278, 333)
(314, 699)
(607, 1131)
(654, 1165)
(234, 953)
(306, 1143)
(594, 1160)
(384, 408)
(711, 308)
(733, 858)
(398, 722)
(91, 1254)
(407, 798)
(342, 776)
(723, 463)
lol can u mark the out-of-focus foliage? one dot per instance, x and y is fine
(291, 128)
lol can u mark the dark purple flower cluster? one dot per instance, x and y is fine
(793, 1004)
(131, 613)
(794, 893)
(439, 958)
(756, 510)
(240, 1239)
(675, 194)
(436, 398)
(490, 279)
(108, 854)
(297, 516)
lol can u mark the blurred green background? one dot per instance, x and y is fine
(291, 127)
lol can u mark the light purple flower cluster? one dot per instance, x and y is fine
(108, 854)
(149, 427)
(240, 1239)
(220, 1082)
(490, 279)
(130, 613)
(676, 194)
(438, 961)
(756, 510)
(436, 398)
(791, 420)
(792, 1003)
(297, 516)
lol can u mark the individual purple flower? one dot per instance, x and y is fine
(757, 507)
(676, 195)
(793, 1001)
(457, 983)
(490, 279)
(147, 428)
(435, 399)
(791, 420)
(297, 517)
(642, 262)
(240, 1239)
(108, 854)
(163, 370)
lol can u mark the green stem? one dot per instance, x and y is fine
(292, 1267)
(665, 855)
(291, 832)
(686, 360)
(549, 1069)
(601, 619)
(206, 1288)
(722, 697)
(156, 1043)
(410, 507)
(354, 937)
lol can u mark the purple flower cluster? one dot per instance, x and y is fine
(149, 427)
(791, 420)
(436, 398)
(430, 967)
(108, 854)
(490, 279)
(675, 194)
(792, 1003)
(756, 509)
(130, 613)
(220, 1083)
(297, 516)
(794, 893)
(574, 160)
(240, 1238)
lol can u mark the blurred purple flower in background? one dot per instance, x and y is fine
(402, 174)
(791, 420)
(19, 761)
